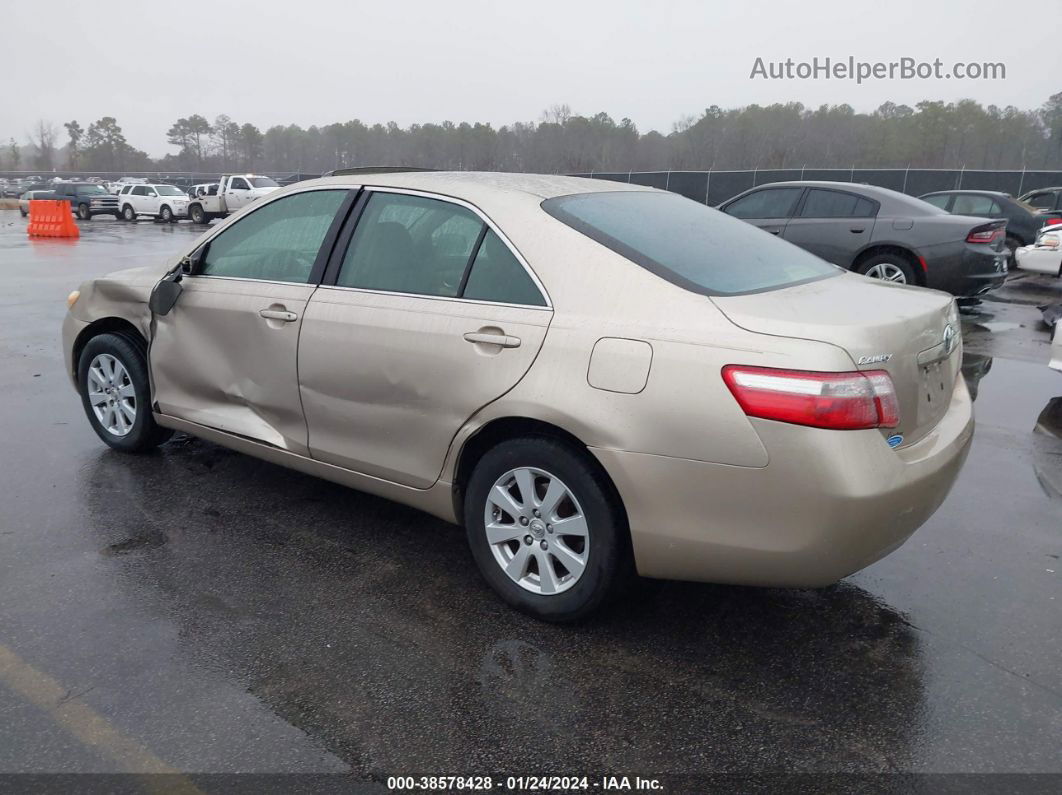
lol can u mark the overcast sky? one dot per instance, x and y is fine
(318, 61)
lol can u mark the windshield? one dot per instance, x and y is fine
(262, 182)
(84, 190)
(687, 243)
(168, 190)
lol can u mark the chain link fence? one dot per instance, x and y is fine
(715, 187)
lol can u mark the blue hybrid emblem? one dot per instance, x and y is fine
(895, 440)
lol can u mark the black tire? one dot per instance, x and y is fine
(128, 213)
(24, 213)
(608, 560)
(84, 213)
(166, 215)
(145, 434)
(890, 260)
(118, 216)
(197, 215)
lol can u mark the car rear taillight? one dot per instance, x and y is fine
(841, 401)
(985, 234)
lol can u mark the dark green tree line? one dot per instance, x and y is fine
(932, 134)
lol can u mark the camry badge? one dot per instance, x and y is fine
(875, 359)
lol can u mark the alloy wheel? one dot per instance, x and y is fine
(887, 272)
(111, 394)
(536, 530)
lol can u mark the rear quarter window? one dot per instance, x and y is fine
(688, 244)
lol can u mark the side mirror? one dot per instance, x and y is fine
(166, 293)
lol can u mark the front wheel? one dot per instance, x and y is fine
(113, 381)
(166, 215)
(546, 530)
(128, 213)
(889, 268)
(84, 213)
(24, 213)
(197, 214)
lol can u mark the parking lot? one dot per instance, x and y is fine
(197, 610)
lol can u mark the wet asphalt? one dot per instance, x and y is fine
(198, 610)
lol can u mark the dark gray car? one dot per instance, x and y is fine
(1023, 221)
(880, 233)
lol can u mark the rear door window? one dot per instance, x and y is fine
(410, 244)
(768, 203)
(975, 205)
(942, 200)
(836, 204)
(1041, 201)
(687, 243)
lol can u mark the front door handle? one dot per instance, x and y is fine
(855, 230)
(484, 338)
(278, 314)
(775, 231)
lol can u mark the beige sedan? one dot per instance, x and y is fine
(595, 379)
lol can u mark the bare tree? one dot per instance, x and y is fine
(43, 140)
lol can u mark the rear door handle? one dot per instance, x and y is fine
(775, 231)
(855, 230)
(482, 338)
(278, 314)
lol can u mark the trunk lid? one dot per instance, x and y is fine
(902, 330)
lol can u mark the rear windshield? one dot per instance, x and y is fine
(687, 243)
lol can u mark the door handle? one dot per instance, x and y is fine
(483, 338)
(278, 314)
(775, 231)
(855, 230)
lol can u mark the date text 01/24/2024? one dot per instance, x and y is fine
(522, 783)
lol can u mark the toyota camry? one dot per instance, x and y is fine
(594, 379)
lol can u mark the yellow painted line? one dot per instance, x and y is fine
(87, 725)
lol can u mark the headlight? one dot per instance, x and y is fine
(1050, 240)
(72, 299)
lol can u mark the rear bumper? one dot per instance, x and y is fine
(964, 269)
(1039, 260)
(828, 503)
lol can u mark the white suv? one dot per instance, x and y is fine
(164, 202)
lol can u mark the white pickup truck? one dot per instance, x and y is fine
(234, 193)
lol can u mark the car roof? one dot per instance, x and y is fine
(1041, 190)
(470, 184)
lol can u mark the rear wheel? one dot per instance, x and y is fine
(545, 529)
(84, 213)
(128, 213)
(889, 268)
(24, 213)
(113, 381)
